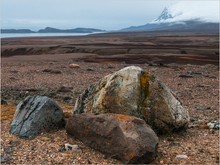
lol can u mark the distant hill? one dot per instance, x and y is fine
(76, 30)
(191, 25)
(16, 31)
(52, 30)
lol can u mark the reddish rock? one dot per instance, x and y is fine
(122, 137)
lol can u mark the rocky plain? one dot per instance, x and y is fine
(62, 68)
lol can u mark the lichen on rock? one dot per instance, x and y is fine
(133, 91)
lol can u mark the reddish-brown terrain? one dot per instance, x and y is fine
(187, 62)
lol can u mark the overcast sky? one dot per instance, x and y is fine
(67, 14)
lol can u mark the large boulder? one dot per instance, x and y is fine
(133, 91)
(35, 115)
(122, 137)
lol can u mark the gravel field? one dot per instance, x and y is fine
(196, 86)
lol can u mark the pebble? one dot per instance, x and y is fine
(214, 125)
(90, 69)
(4, 159)
(203, 108)
(175, 144)
(182, 156)
(71, 147)
(3, 102)
(185, 76)
(74, 66)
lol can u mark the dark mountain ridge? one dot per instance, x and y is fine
(16, 31)
(53, 30)
(76, 30)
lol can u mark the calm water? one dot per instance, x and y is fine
(10, 35)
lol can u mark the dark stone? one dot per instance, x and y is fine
(186, 76)
(126, 138)
(33, 90)
(210, 76)
(194, 73)
(4, 159)
(183, 52)
(110, 67)
(173, 144)
(14, 71)
(67, 98)
(14, 143)
(64, 89)
(3, 102)
(35, 115)
(52, 71)
(203, 108)
(90, 69)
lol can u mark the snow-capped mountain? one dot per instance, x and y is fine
(183, 11)
(182, 16)
(164, 15)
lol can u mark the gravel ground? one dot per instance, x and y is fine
(196, 86)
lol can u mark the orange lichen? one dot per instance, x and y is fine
(65, 107)
(131, 154)
(67, 114)
(123, 117)
(145, 82)
(7, 111)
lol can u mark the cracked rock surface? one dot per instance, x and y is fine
(34, 115)
(133, 91)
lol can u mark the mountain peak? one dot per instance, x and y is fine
(164, 15)
(182, 11)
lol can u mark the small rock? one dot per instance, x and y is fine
(74, 66)
(44, 138)
(32, 90)
(210, 76)
(9, 149)
(56, 72)
(182, 156)
(203, 85)
(110, 67)
(64, 89)
(90, 69)
(214, 125)
(4, 159)
(71, 147)
(62, 149)
(194, 73)
(175, 144)
(52, 71)
(46, 70)
(14, 142)
(13, 71)
(186, 76)
(4, 102)
(203, 108)
(67, 98)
